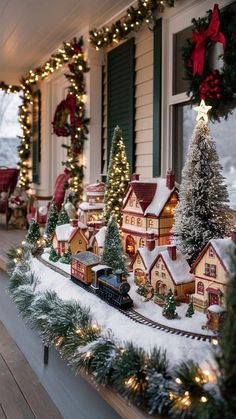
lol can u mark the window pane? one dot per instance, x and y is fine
(179, 39)
(9, 128)
(222, 132)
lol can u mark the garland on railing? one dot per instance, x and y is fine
(145, 11)
(145, 379)
(70, 51)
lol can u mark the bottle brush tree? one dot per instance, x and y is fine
(53, 256)
(190, 310)
(113, 254)
(33, 232)
(117, 178)
(63, 217)
(51, 221)
(202, 211)
(169, 309)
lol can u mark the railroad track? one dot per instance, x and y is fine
(134, 315)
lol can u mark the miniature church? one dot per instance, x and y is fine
(148, 206)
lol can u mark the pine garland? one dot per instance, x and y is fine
(143, 378)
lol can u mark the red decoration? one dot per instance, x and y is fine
(60, 121)
(210, 87)
(212, 33)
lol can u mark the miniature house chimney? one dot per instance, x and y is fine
(172, 252)
(74, 222)
(135, 176)
(233, 235)
(170, 179)
(150, 241)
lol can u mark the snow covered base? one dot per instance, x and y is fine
(178, 347)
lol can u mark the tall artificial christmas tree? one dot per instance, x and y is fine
(33, 232)
(201, 213)
(226, 355)
(63, 217)
(113, 254)
(51, 221)
(117, 178)
(169, 309)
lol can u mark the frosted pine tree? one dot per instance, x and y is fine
(117, 178)
(113, 254)
(201, 213)
(63, 217)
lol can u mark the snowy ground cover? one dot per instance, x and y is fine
(178, 347)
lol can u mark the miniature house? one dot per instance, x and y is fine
(211, 270)
(73, 235)
(97, 241)
(81, 265)
(90, 211)
(164, 267)
(148, 206)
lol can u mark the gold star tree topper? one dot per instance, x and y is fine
(202, 110)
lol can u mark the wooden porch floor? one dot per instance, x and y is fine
(21, 395)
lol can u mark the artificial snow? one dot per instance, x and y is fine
(215, 308)
(148, 256)
(89, 206)
(100, 236)
(160, 198)
(125, 329)
(178, 268)
(222, 247)
(64, 231)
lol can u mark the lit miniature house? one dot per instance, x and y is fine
(163, 267)
(73, 235)
(98, 240)
(211, 270)
(90, 211)
(148, 206)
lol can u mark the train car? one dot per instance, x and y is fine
(111, 287)
(81, 267)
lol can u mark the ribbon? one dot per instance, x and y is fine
(212, 33)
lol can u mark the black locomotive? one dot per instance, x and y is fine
(86, 271)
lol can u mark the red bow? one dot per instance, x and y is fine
(212, 33)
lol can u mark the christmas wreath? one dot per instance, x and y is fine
(62, 127)
(216, 87)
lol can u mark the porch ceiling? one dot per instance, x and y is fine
(30, 30)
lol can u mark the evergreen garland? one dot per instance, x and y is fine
(117, 178)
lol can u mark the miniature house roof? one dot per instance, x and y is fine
(80, 231)
(87, 206)
(100, 236)
(152, 194)
(86, 258)
(221, 247)
(179, 268)
(148, 256)
(96, 188)
(64, 231)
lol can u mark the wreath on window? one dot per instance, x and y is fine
(216, 86)
(62, 125)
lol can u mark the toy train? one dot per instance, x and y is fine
(85, 269)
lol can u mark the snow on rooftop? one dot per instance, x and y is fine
(64, 231)
(149, 256)
(222, 247)
(87, 206)
(178, 268)
(161, 196)
(100, 236)
(98, 267)
(216, 309)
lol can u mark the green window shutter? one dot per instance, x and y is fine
(36, 136)
(120, 96)
(157, 99)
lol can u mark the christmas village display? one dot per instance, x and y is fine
(178, 254)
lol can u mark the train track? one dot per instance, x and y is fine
(134, 315)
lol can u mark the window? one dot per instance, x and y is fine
(162, 267)
(157, 92)
(210, 270)
(132, 221)
(141, 242)
(120, 95)
(127, 219)
(163, 274)
(139, 222)
(157, 272)
(150, 223)
(211, 252)
(200, 287)
(138, 260)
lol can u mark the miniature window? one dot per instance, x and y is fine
(157, 273)
(163, 267)
(139, 222)
(138, 260)
(207, 269)
(163, 274)
(127, 219)
(157, 265)
(211, 252)
(141, 242)
(200, 288)
(131, 201)
(213, 271)
(136, 203)
(150, 223)
(132, 221)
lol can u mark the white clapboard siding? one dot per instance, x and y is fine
(143, 126)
